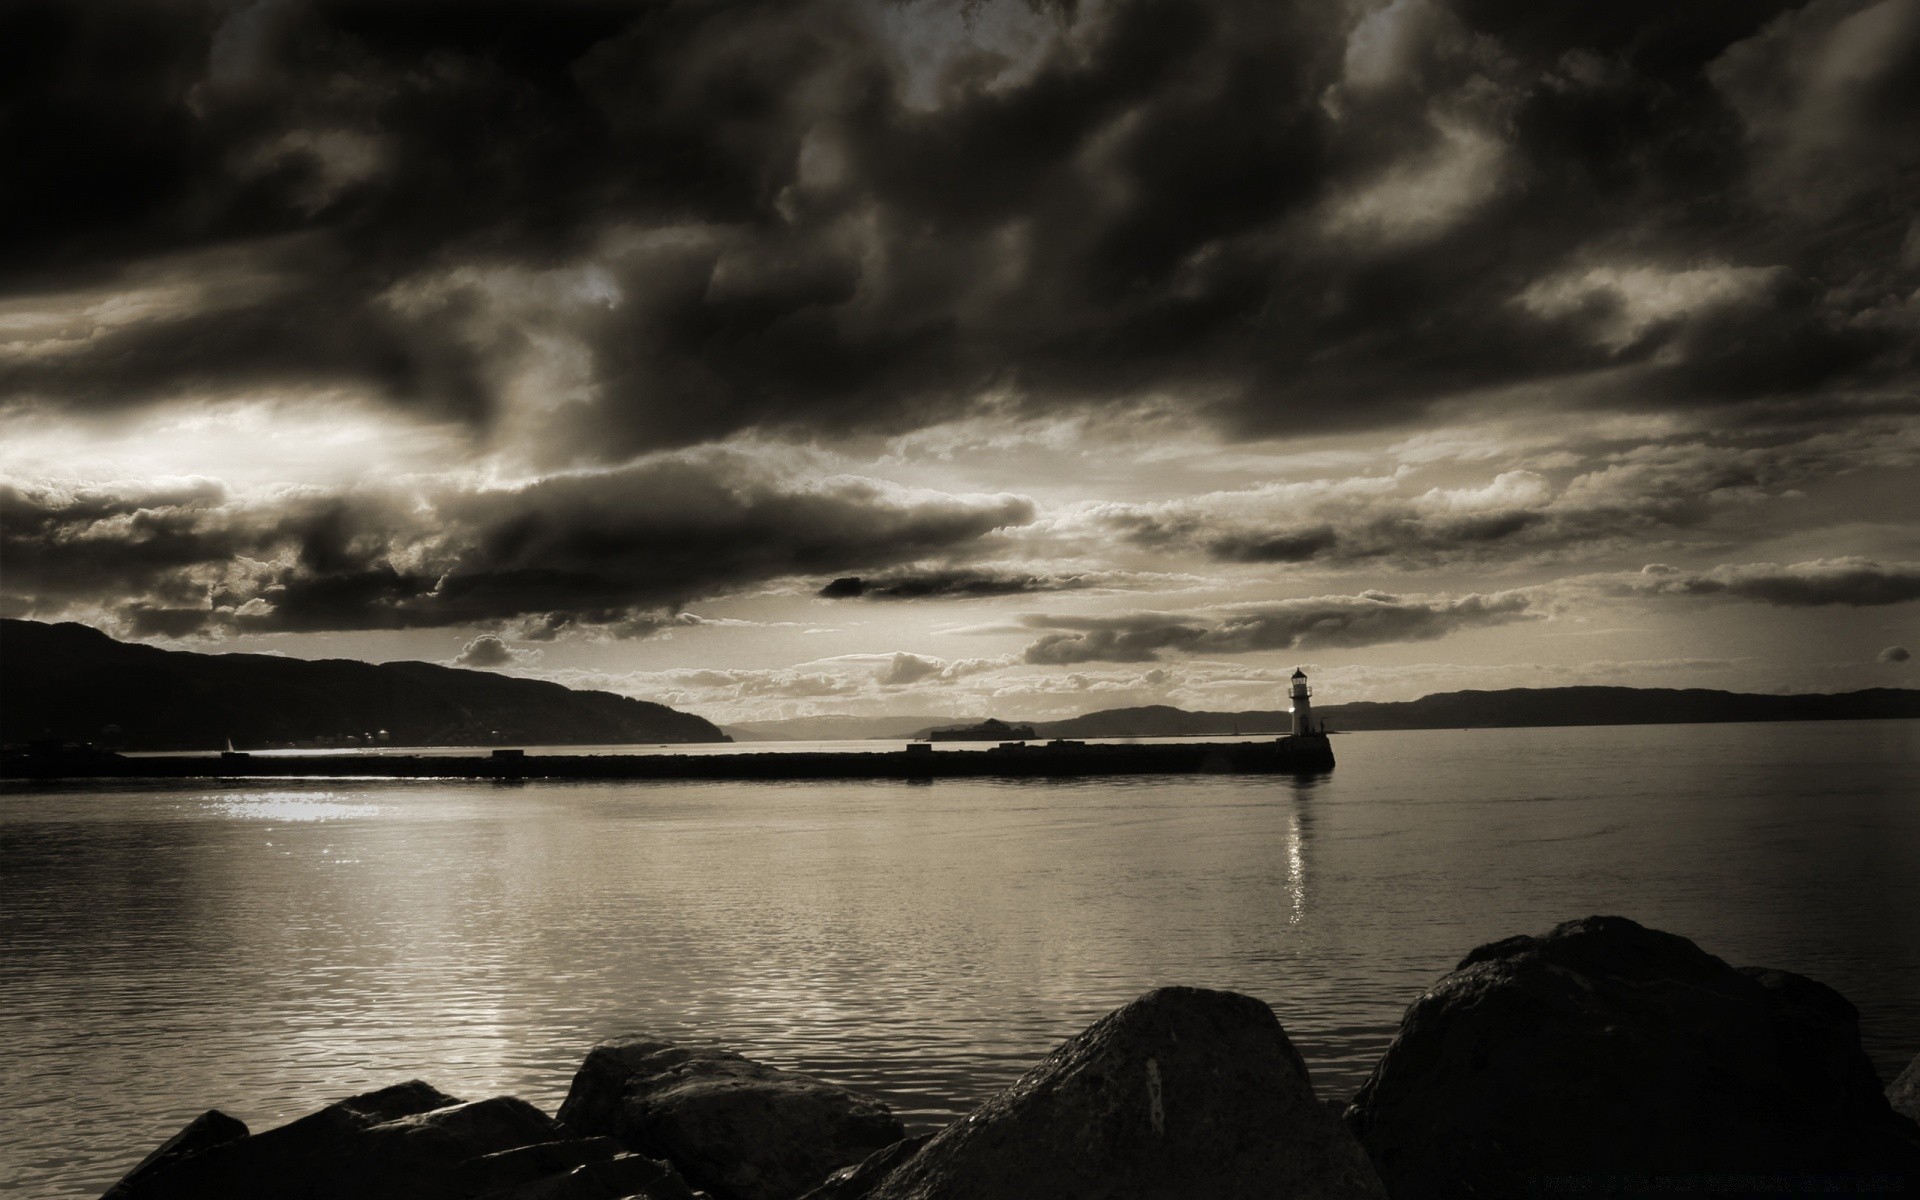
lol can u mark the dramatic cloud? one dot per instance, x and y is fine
(1369, 619)
(1827, 101)
(604, 228)
(618, 550)
(942, 585)
(1895, 654)
(536, 320)
(1855, 582)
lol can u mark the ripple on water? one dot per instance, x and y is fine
(289, 806)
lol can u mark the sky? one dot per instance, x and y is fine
(916, 357)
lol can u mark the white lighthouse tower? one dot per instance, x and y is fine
(1302, 696)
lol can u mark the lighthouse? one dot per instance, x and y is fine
(1302, 703)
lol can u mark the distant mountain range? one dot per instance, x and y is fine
(1618, 706)
(1445, 710)
(70, 682)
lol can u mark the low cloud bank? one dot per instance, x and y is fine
(1369, 619)
(1854, 582)
(948, 585)
(1598, 497)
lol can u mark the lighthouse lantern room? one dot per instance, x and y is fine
(1302, 697)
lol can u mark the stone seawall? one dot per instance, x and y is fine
(1015, 760)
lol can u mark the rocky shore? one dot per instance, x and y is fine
(1601, 1058)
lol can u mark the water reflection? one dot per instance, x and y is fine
(1299, 832)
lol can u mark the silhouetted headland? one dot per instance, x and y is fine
(73, 683)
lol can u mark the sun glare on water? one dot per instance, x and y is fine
(289, 806)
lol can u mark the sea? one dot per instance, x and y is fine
(267, 947)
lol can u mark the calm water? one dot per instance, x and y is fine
(265, 949)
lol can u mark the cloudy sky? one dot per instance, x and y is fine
(924, 357)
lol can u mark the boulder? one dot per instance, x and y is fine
(407, 1142)
(1183, 1093)
(1904, 1092)
(735, 1128)
(314, 1137)
(1611, 1058)
(622, 1177)
(209, 1129)
(851, 1183)
(578, 1169)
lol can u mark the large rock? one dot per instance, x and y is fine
(852, 1183)
(1182, 1094)
(407, 1142)
(736, 1128)
(578, 1169)
(1616, 1059)
(1904, 1092)
(209, 1129)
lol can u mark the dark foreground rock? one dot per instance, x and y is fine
(407, 1142)
(1182, 1094)
(209, 1129)
(1607, 1058)
(1904, 1092)
(735, 1128)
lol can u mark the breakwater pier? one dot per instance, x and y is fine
(919, 761)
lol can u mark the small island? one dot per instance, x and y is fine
(990, 730)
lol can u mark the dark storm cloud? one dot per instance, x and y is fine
(73, 543)
(1369, 619)
(615, 550)
(740, 216)
(283, 317)
(1853, 582)
(947, 585)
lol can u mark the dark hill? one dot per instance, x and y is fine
(70, 682)
(1618, 706)
(1510, 708)
(1163, 720)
